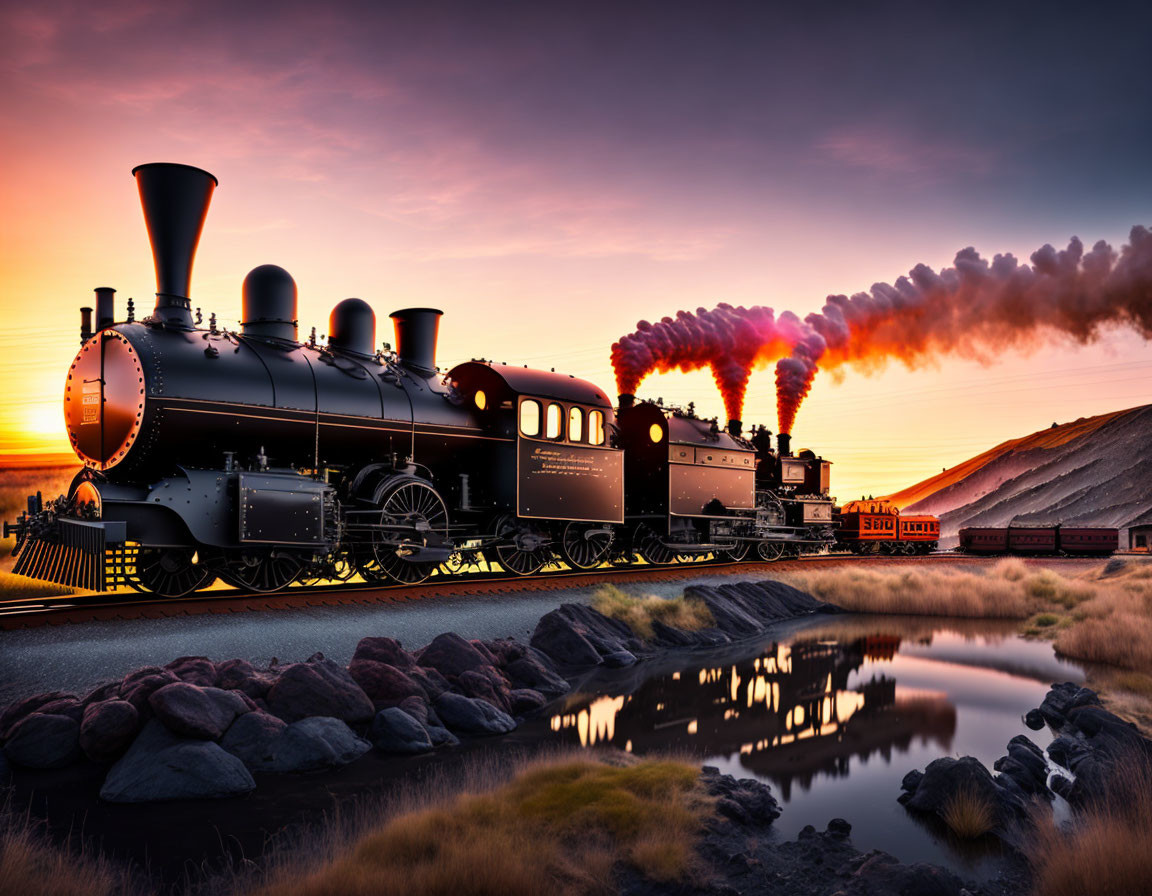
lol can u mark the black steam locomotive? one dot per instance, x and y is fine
(261, 460)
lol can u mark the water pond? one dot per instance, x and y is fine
(833, 715)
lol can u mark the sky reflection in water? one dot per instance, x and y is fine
(833, 716)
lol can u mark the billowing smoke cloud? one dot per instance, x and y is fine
(975, 309)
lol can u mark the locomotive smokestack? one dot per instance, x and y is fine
(785, 442)
(416, 330)
(85, 324)
(735, 427)
(105, 310)
(175, 200)
(627, 400)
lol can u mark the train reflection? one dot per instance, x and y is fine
(788, 712)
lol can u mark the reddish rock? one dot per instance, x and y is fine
(22, 708)
(385, 685)
(64, 706)
(241, 675)
(108, 729)
(525, 701)
(197, 670)
(203, 713)
(384, 650)
(487, 684)
(137, 690)
(319, 688)
(451, 655)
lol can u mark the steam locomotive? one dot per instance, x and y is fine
(261, 460)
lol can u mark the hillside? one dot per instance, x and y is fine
(1096, 471)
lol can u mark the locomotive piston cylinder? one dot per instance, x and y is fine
(175, 200)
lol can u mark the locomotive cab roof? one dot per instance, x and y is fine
(681, 428)
(515, 381)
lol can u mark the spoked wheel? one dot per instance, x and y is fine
(583, 547)
(264, 573)
(414, 503)
(169, 572)
(770, 550)
(651, 547)
(738, 553)
(514, 558)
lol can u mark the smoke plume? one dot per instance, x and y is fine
(975, 309)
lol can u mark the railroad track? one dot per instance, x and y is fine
(127, 604)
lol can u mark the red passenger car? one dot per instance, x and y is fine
(876, 527)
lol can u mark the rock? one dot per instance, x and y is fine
(468, 715)
(319, 688)
(417, 707)
(384, 650)
(1062, 787)
(487, 684)
(394, 731)
(317, 742)
(945, 777)
(744, 801)
(451, 655)
(1062, 699)
(1034, 719)
(5, 770)
(41, 740)
(107, 691)
(384, 684)
(533, 670)
(525, 701)
(198, 670)
(190, 711)
(839, 828)
(161, 766)
(880, 874)
(17, 711)
(485, 651)
(64, 706)
(138, 690)
(252, 739)
(618, 659)
(433, 683)
(242, 676)
(565, 641)
(911, 780)
(108, 729)
(1026, 766)
(441, 736)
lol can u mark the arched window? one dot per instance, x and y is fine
(596, 428)
(529, 417)
(554, 422)
(576, 425)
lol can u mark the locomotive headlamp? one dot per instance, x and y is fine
(656, 432)
(481, 400)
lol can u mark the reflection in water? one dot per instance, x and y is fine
(788, 712)
(834, 717)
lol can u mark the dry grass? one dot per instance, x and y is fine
(1108, 849)
(30, 865)
(969, 814)
(559, 826)
(16, 485)
(638, 613)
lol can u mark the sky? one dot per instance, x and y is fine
(549, 174)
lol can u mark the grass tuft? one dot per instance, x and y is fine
(1107, 849)
(969, 814)
(638, 613)
(31, 865)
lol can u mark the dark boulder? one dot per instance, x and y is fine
(525, 701)
(947, 777)
(1026, 766)
(137, 690)
(161, 766)
(107, 691)
(190, 711)
(64, 706)
(319, 688)
(534, 670)
(487, 684)
(417, 707)
(40, 740)
(433, 683)
(1034, 719)
(877, 873)
(575, 636)
(384, 684)
(384, 650)
(468, 715)
(1062, 699)
(108, 729)
(18, 710)
(242, 676)
(451, 655)
(252, 738)
(317, 742)
(197, 670)
(744, 801)
(394, 731)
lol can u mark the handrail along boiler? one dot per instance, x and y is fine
(259, 459)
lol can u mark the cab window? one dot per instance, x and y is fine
(529, 418)
(553, 423)
(596, 428)
(576, 425)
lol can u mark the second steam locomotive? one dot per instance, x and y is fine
(259, 459)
